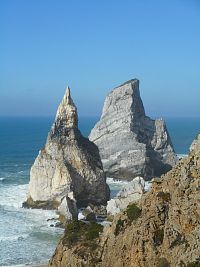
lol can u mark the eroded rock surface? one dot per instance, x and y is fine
(163, 229)
(130, 143)
(68, 163)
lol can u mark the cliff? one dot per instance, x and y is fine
(161, 230)
(130, 143)
(68, 166)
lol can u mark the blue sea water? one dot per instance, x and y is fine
(25, 235)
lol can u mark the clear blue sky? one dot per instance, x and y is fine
(93, 46)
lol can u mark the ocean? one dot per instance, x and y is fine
(26, 236)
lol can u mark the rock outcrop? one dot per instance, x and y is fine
(68, 163)
(68, 209)
(195, 142)
(163, 229)
(130, 143)
(130, 193)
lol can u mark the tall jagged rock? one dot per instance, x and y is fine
(162, 230)
(68, 163)
(130, 143)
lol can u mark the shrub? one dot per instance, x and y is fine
(93, 230)
(119, 226)
(133, 212)
(73, 231)
(158, 236)
(78, 230)
(162, 262)
(194, 264)
(164, 196)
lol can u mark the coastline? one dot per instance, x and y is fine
(29, 265)
(43, 265)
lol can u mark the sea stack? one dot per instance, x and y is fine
(130, 143)
(69, 166)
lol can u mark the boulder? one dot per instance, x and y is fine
(130, 143)
(130, 193)
(68, 209)
(68, 163)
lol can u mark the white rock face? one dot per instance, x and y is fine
(68, 163)
(131, 192)
(195, 143)
(130, 143)
(68, 207)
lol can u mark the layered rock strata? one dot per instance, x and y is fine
(130, 143)
(163, 229)
(68, 163)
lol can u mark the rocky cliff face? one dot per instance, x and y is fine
(162, 230)
(68, 163)
(130, 143)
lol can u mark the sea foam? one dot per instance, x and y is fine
(21, 230)
(180, 156)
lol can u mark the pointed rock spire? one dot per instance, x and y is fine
(68, 95)
(68, 163)
(67, 112)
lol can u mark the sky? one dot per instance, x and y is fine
(93, 46)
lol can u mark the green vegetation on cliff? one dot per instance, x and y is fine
(133, 212)
(80, 231)
(194, 264)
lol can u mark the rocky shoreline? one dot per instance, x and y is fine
(161, 229)
(156, 227)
